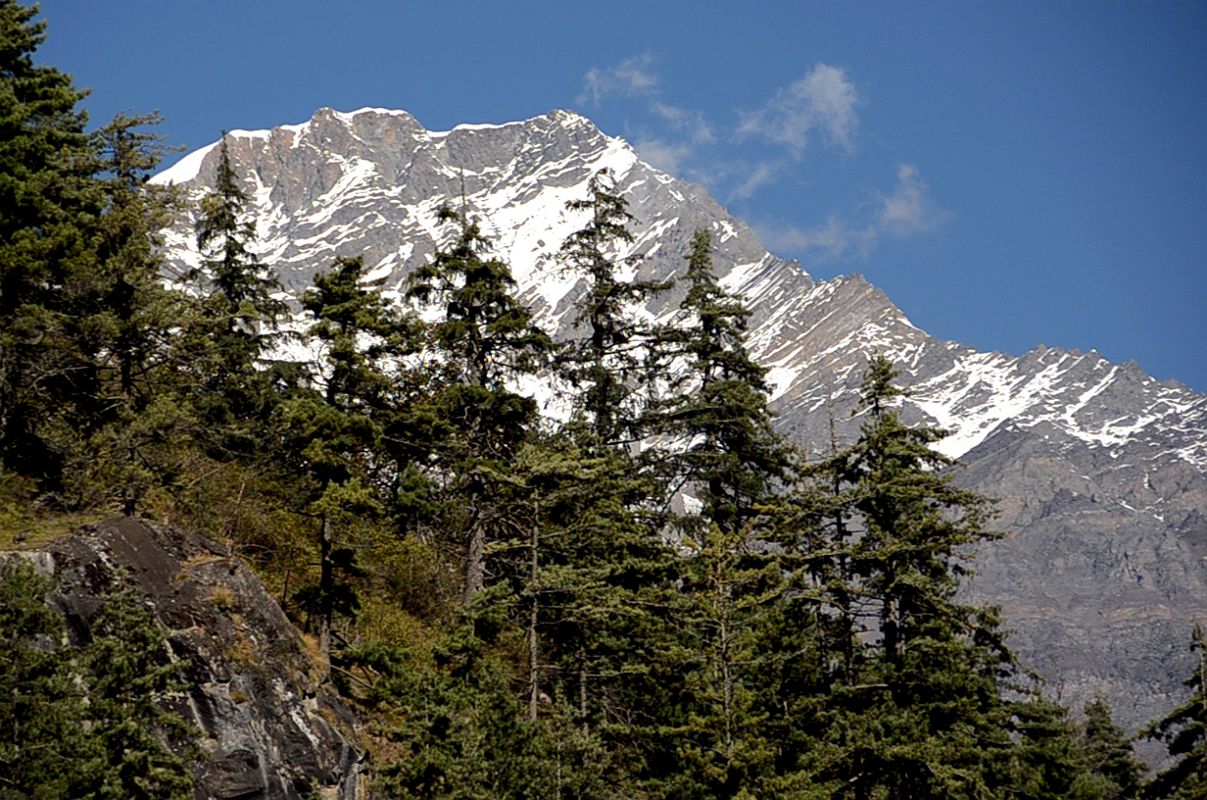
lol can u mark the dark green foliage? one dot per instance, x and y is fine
(88, 722)
(238, 322)
(327, 440)
(41, 743)
(612, 354)
(1184, 732)
(593, 585)
(727, 453)
(48, 202)
(484, 337)
(461, 733)
(914, 709)
(134, 441)
(143, 744)
(1108, 753)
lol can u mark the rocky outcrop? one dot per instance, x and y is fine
(269, 730)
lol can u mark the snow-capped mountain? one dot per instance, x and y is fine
(1101, 470)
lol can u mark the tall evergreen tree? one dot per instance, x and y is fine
(239, 315)
(594, 589)
(1109, 753)
(135, 439)
(485, 337)
(1184, 732)
(728, 453)
(89, 721)
(923, 715)
(48, 200)
(329, 438)
(42, 744)
(604, 364)
(729, 459)
(142, 745)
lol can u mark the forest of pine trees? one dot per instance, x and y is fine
(518, 606)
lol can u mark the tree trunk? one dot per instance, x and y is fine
(475, 557)
(534, 670)
(584, 726)
(326, 592)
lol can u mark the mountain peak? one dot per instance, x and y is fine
(369, 183)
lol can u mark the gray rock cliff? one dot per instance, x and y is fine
(269, 731)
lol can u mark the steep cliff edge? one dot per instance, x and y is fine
(269, 731)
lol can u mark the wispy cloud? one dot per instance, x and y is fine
(823, 100)
(820, 106)
(763, 174)
(691, 124)
(632, 77)
(669, 157)
(909, 208)
(906, 211)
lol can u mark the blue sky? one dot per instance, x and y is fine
(1009, 173)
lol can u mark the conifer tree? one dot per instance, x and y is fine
(923, 715)
(330, 438)
(485, 337)
(1109, 752)
(604, 364)
(142, 745)
(1184, 732)
(42, 744)
(729, 456)
(48, 199)
(135, 439)
(239, 315)
(729, 459)
(595, 591)
(90, 721)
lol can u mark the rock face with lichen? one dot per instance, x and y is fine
(269, 730)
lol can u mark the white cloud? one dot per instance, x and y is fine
(824, 100)
(632, 77)
(908, 210)
(763, 174)
(688, 122)
(666, 156)
(820, 243)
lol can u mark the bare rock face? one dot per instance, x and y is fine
(269, 731)
(1101, 470)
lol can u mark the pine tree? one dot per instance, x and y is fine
(48, 200)
(143, 745)
(595, 589)
(485, 337)
(135, 439)
(605, 363)
(717, 432)
(1048, 760)
(728, 454)
(42, 744)
(1184, 732)
(239, 316)
(328, 439)
(93, 721)
(922, 715)
(1109, 752)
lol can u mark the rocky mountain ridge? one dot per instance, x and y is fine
(1102, 470)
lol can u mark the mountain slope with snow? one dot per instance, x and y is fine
(1101, 469)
